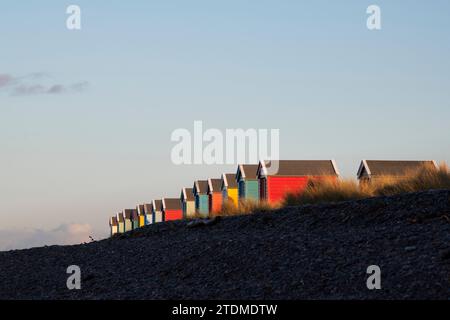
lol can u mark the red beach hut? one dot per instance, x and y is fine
(172, 209)
(277, 178)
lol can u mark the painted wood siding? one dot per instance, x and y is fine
(252, 190)
(201, 205)
(278, 187)
(113, 230)
(141, 220)
(188, 209)
(171, 215)
(135, 224)
(121, 227)
(158, 217)
(148, 219)
(128, 225)
(215, 202)
(232, 195)
(241, 189)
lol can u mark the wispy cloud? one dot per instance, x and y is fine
(37, 84)
(65, 234)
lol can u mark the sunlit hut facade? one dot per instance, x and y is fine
(157, 211)
(281, 177)
(229, 188)
(214, 195)
(141, 213)
(120, 223)
(134, 219)
(371, 170)
(148, 211)
(172, 209)
(247, 180)
(188, 202)
(113, 225)
(201, 197)
(127, 216)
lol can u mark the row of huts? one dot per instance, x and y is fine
(268, 181)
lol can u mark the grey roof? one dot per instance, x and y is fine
(187, 194)
(301, 168)
(113, 221)
(248, 171)
(201, 186)
(172, 204)
(229, 180)
(127, 213)
(148, 208)
(214, 185)
(392, 167)
(140, 209)
(134, 215)
(158, 205)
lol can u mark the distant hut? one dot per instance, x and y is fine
(158, 215)
(248, 184)
(371, 170)
(148, 211)
(120, 223)
(229, 188)
(201, 197)
(135, 219)
(127, 216)
(113, 225)
(141, 213)
(172, 209)
(214, 195)
(279, 178)
(188, 202)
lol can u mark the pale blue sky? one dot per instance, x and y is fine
(310, 68)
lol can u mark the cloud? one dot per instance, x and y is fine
(5, 80)
(65, 234)
(37, 84)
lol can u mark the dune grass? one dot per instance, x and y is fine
(327, 190)
(324, 191)
(245, 207)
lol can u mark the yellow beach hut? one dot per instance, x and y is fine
(141, 214)
(229, 188)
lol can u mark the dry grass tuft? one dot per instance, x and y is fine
(426, 179)
(245, 207)
(324, 190)
(327, 190)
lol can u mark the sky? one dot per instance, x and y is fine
(86, 115)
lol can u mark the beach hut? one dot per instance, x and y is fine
(127, 216)
(247, 180)
(214, 195)
(187, 202)
(229, 188)
(134, 219)
(120, 223)
(281, 177)
(158, 215)
(113, 225)
(148, 211)
(201, 197)
(371, 170)
(172, 209)
(141, 213)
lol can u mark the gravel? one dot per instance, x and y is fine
(307, 252)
